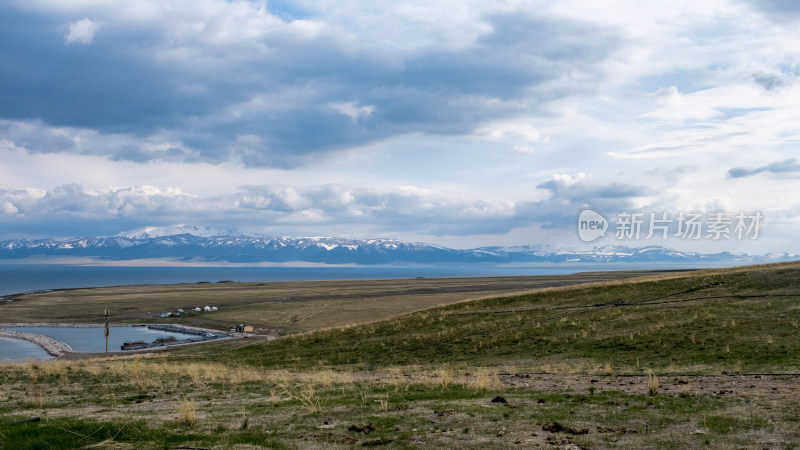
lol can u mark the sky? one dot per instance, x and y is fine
(460, 123)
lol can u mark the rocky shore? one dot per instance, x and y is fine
(50, 345)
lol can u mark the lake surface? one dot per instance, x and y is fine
(93, 339)
(19, 350)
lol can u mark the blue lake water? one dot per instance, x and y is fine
(93, 339)
(19, 350)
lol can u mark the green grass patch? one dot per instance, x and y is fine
(731, 321)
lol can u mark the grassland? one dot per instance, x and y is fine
(705, 359)
(288, 306)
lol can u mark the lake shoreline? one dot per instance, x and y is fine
(57, 349)
(52, 346)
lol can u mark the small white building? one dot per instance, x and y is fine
(197, 309)
(207, 308)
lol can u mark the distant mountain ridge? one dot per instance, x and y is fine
(201, 244)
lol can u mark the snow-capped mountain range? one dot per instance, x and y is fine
(200, 244)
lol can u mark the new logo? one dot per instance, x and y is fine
(591, 225)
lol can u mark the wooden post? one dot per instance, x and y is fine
(106, 333)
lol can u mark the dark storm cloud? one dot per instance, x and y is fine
(111, 85)
(281, 87)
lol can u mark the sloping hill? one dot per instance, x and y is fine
(734, 320)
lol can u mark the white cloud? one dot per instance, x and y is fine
(82, 32)
(353, 110)
(6, 207)
(521, 135)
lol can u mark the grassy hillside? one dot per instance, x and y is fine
(294, 306)
(737, 320)
(666, 362)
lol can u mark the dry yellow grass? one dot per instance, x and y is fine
(306, 394)
(485, 380)
(55, 369)
(187, 413)
(32, 367)
(445, 375)
(652, 384)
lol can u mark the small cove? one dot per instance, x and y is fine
(81, 339)
(19, 350)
